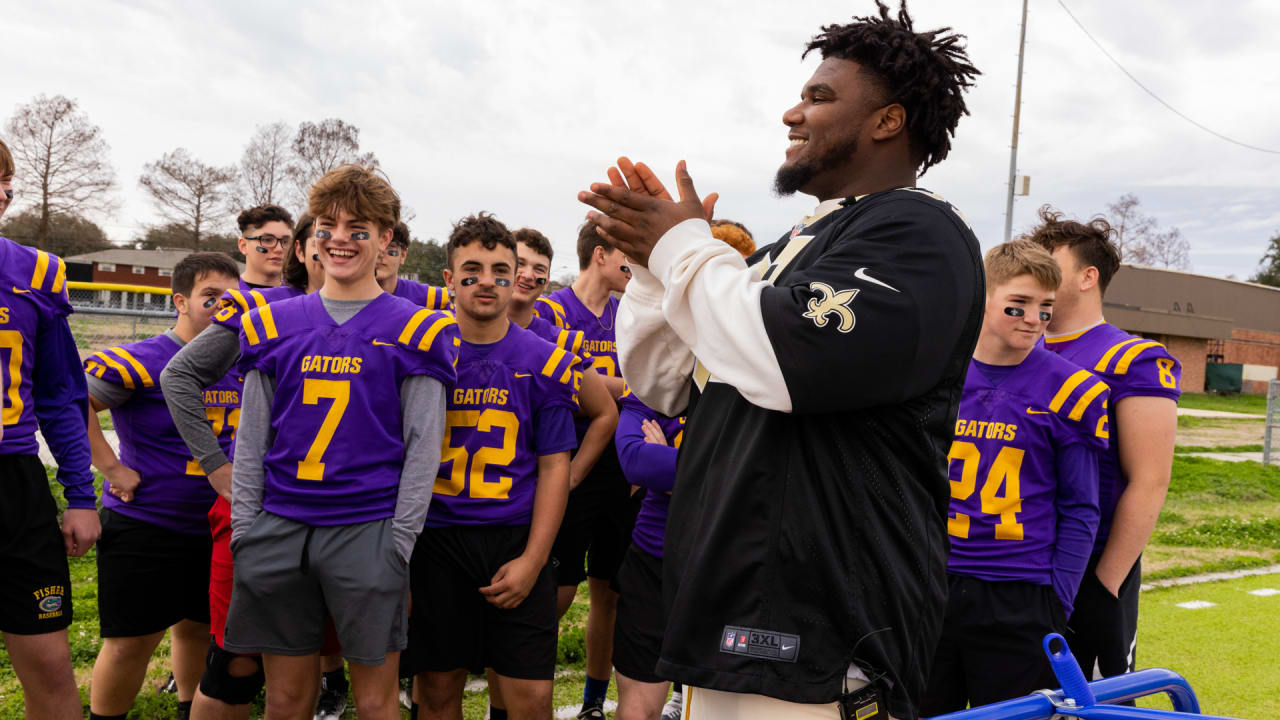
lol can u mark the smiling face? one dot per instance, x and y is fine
(533, 270)
(835, 115)
(480, 280)
(389, 262)
(1017, 313)
(348, 246)
(309, 255)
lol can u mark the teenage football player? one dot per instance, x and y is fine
(1134, 471)
(153, 557)
(388, 273)
(483, 590)
(1024, 493)
(343, 413)
(265, 231)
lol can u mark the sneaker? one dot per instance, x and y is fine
(170, 687)
(332, 703)
(406, 698)
(673, 708)
(593, 711)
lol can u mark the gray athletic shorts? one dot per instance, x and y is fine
(290, 576)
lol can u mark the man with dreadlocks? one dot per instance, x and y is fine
(807, 541)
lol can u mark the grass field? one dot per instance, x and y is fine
(1256, 404)
(1219, 516)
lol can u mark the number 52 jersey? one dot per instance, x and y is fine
(336, 416)
(1003, 463)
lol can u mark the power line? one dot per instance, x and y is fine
(1148, 90)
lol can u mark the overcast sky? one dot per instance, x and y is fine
(513, 107)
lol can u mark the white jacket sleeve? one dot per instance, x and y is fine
(656, 363)
(711, 308)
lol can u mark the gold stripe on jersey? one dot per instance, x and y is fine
(1106, 359)
(240, 299)
(557, 313)
(412, 326)
(250, 332)
(42, 268)
(96, 368)
(137, 366)
(1132, 354)
(264, 312)
(553, 362)
(60, 278)
(429, 337)
(1068, 337)
(1067, 388)
(121, 370)
(566, 377)
(1082, 404)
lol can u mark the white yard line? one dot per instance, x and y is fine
(1192, 412)
(1210, 577)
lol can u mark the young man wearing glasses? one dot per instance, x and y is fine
(264, 232)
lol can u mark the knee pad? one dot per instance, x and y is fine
(218, 682)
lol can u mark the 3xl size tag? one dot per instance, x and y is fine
(764, 644)
(863, 704)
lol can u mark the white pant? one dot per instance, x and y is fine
(704, 704)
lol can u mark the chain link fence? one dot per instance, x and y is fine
(108, 314)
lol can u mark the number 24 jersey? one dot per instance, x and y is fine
(1003, 463)
(336, 419)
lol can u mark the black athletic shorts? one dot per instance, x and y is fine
(1103, 632)
(149, 577)
(596, 530)
(453, 626)
(638, 630)
(990, 649)
(35, 586)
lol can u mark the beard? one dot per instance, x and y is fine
(792, 177)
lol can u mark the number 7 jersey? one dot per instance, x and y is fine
(336, 417)
(1003, 463)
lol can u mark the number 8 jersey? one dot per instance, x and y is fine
(336, 421)
(1003, 466)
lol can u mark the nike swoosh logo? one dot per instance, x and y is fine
(861, 274)
(524, 374)
(19, 290)
(1037, 412)
(379, 342)
(787, 647)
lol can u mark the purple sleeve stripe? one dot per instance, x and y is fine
(1082, 404)
(1068, 387)
(265, 316)
(1132, 354)
(120, 370)
(145, 376)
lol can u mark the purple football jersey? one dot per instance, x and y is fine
(572, 340)
(1130, 365)
(235, 303)
(174, 492)
(598, 331)
(1002, 464)
(489, 460)
(427, 296)
(551, 311)
(650, 466)
(34, 288)
(338, 434)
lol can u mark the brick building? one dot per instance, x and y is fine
(126, 266)
(1201, 319)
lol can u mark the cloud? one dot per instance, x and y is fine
(512, 107)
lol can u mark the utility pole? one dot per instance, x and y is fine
(1017, 110)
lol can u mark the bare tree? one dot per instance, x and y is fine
(62, 156)
(1133, 228)
(1169, 249)
(264, 168)
(321, 147)
(187, 191)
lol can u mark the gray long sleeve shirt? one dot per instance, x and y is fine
(200, 363)
(422, 407)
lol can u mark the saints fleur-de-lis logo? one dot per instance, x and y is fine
(831, 302)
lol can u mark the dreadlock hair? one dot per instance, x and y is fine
(926, 73)
(483, 228)
(735, 235)
(1092, 243)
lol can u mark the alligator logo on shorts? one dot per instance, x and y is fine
(51, 603)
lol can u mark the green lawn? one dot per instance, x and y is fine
(1240, 403)
(1228, 652)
